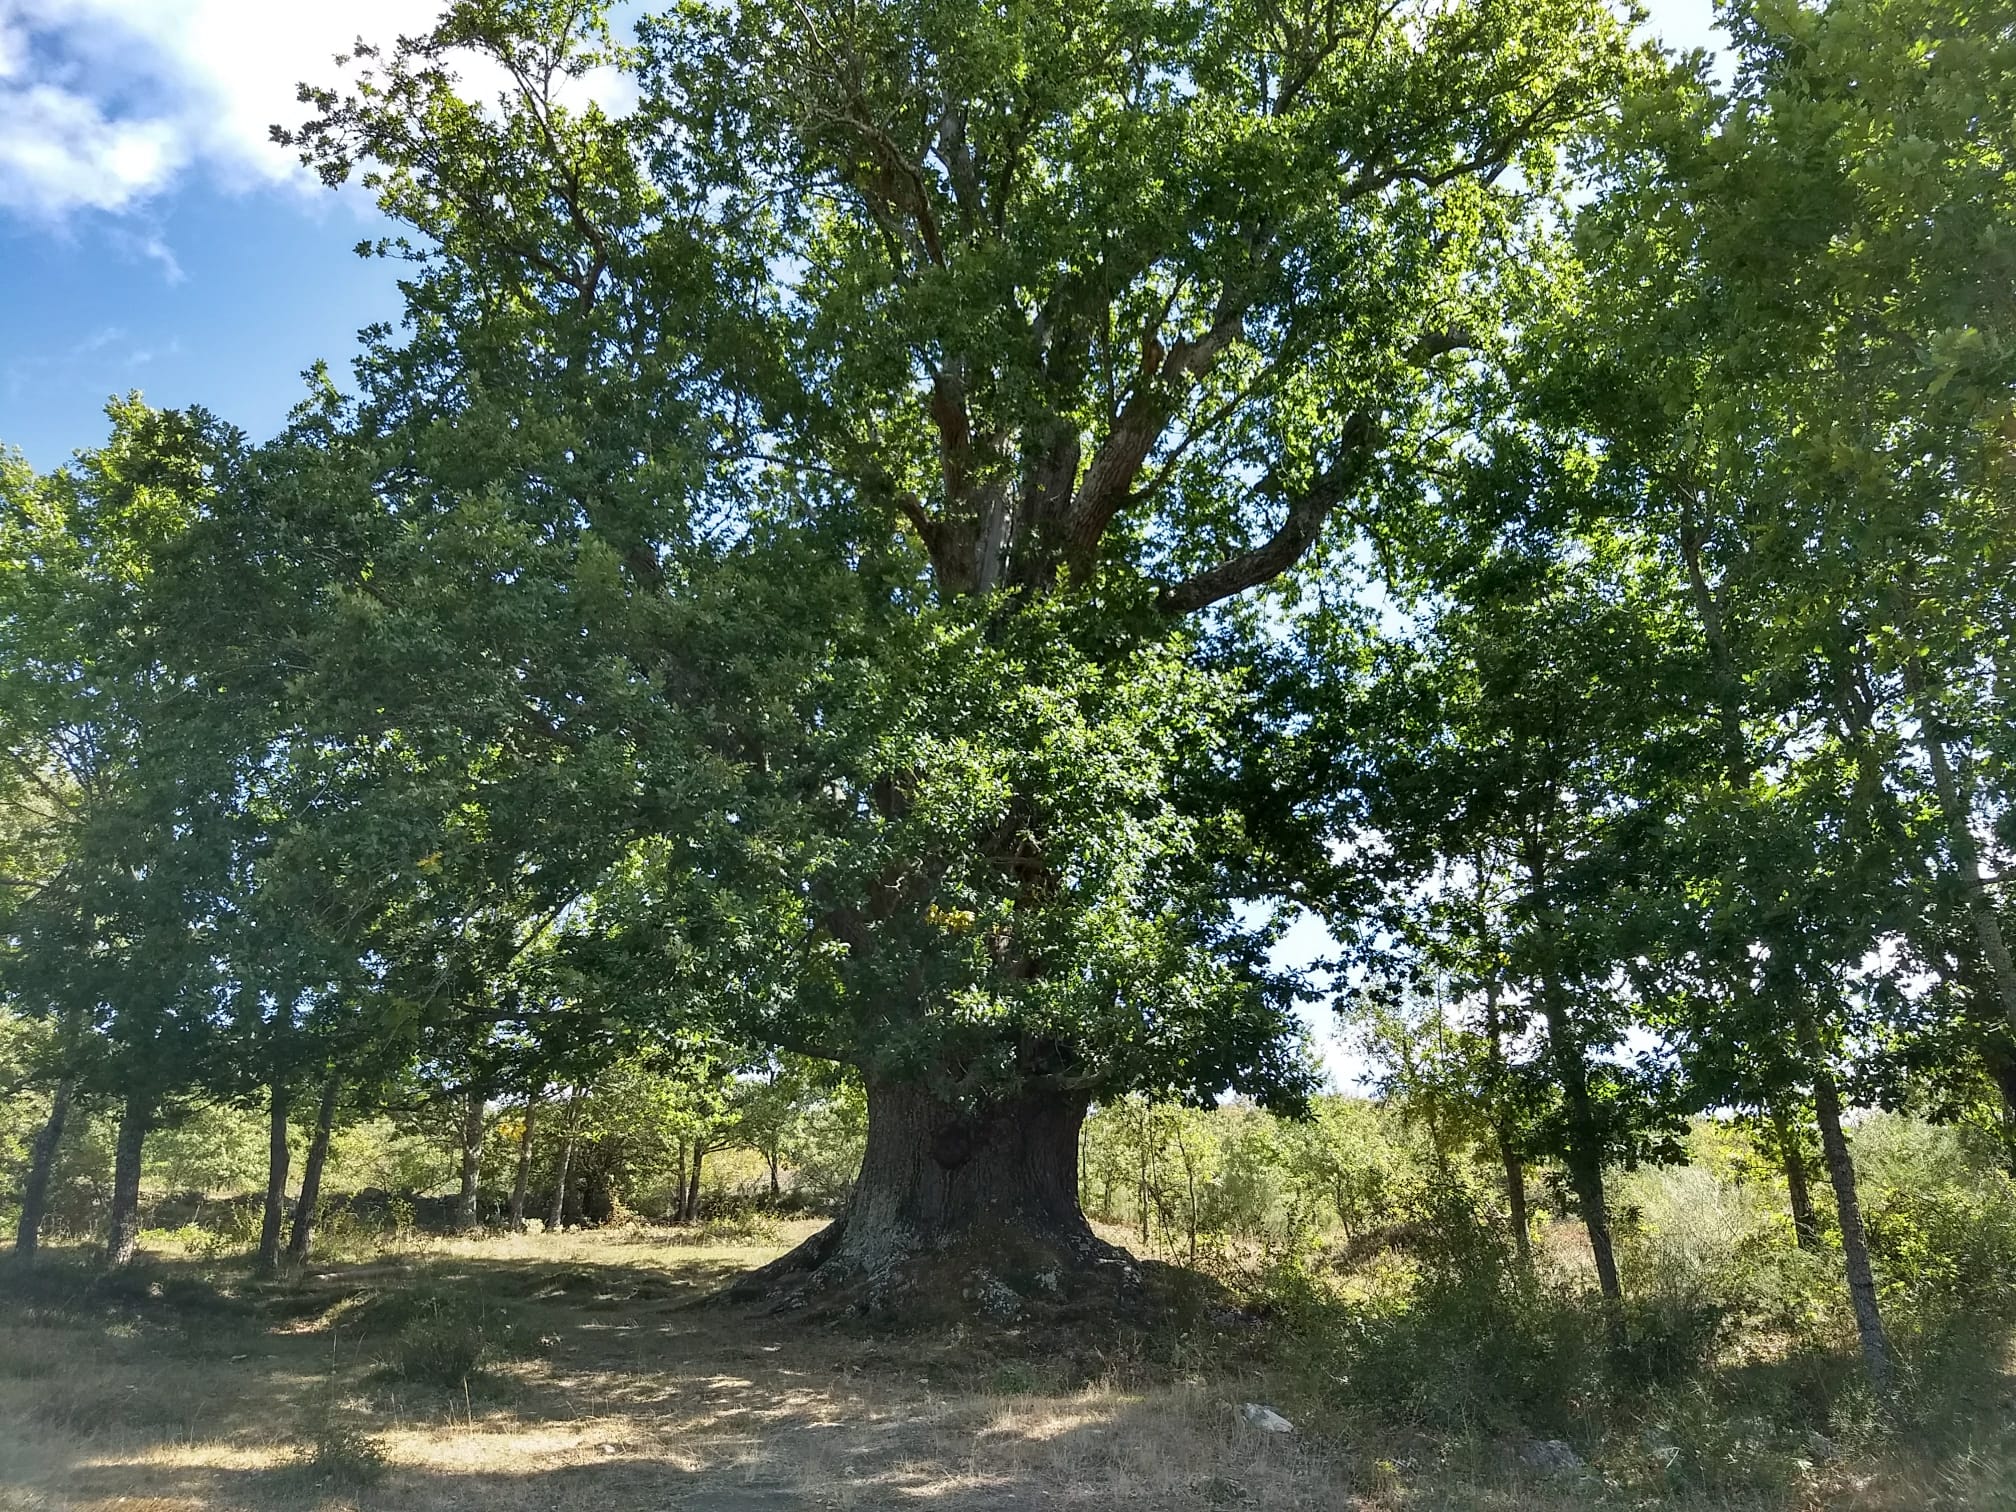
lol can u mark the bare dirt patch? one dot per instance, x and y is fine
(600, 1375)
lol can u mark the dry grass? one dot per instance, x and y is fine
(610, 1389)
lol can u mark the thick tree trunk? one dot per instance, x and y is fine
(278, 1159)
(523, 1179)
(556, 1211)
(134, 1121)
(1854, 1240)
(1798, 1190)
(301, 1239)
(932, 1172)
(966, 1208)
(472, 1161)
(41, 1167)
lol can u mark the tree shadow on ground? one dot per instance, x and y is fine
(188, 1390)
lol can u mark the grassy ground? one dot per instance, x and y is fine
(578, 1372)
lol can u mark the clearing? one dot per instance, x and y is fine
(587, 1371)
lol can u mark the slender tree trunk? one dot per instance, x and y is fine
(2001, 1067)
(302, 1238)
(1854, 1240)
(776, 1186)
(580, 1196)
(1508, 1147)
(1955, 808)
(679, 1184)
(1992, 1005)
(134, 1120)
(1515, 1201)
(1584, 1156)
(1585, 1152)
(556, 1211)
(1587, 1174)
(1792, 1156)
(523, 1179)
(472, 1161)
(41, 1167)
(692, 1211)
(1189, 1189)
(1142, 1185)
(277, 1161)
(1856, 716)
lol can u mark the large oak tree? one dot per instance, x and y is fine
(857, 431)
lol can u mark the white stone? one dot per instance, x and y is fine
(1265, 1418)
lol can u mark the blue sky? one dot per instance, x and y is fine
(151, 237)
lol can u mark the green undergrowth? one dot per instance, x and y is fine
(1729, 1376)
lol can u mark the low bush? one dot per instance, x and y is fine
(438, 1338)
(343, 1454)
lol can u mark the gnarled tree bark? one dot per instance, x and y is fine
(976, 1207)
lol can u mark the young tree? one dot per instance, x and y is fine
(1502, 775)
(1801, 385)
(118, 941)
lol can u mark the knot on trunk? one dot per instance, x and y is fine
(956, 1143)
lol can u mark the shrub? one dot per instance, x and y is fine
(437, 1349)
(438, 1338)
(342, 1454)
(1941, 1214)
(1448, 1336)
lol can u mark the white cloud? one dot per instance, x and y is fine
(98, 340)
(105, 104)
(59, 151)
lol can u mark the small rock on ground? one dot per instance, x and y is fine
(1550, 1454)
(1265, 1418)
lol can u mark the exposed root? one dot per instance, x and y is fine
(994, 1278)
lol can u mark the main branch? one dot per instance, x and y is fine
(1307, 514)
